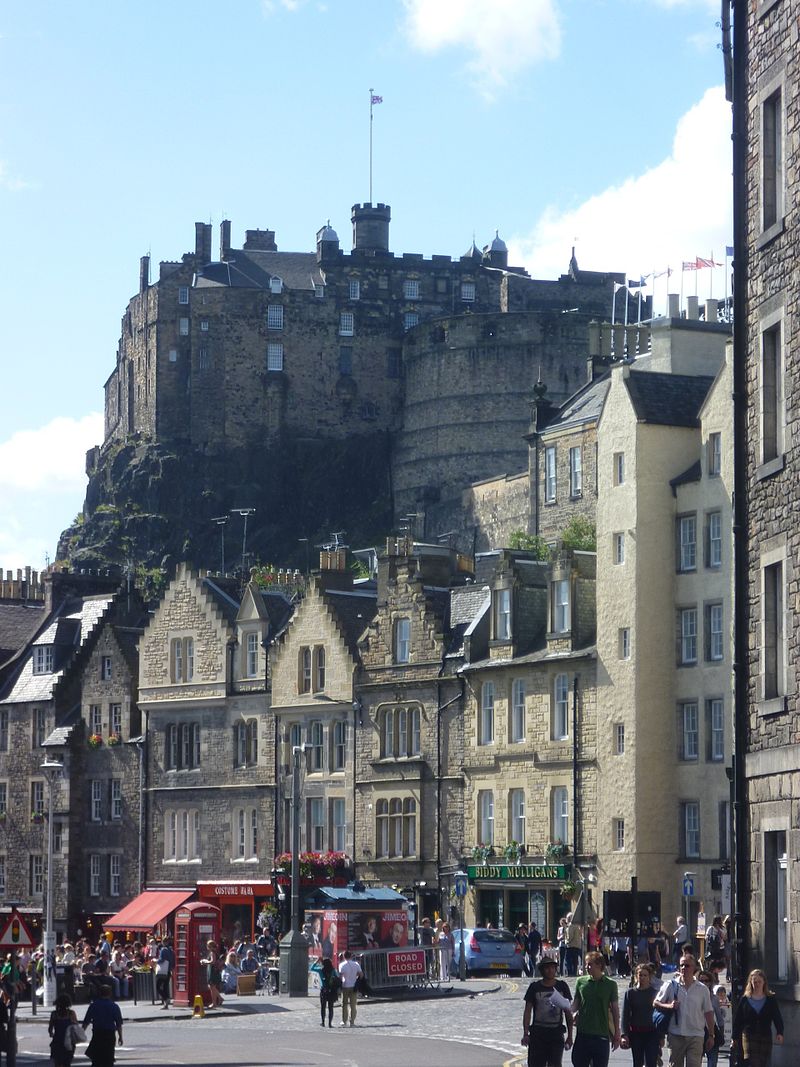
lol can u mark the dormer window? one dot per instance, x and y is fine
(502, 615)
(276, 285)
(43, 659)
(559, 592)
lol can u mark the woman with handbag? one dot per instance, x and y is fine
(62, 1044)
(756, 1013)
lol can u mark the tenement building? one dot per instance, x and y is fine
(767, 294)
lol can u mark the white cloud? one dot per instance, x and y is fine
(676, 211)
(272, 7)
(51, 459)
(43, 481)
(11, 183)
(502, 36)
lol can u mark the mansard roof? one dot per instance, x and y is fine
(253, 269)
(667, 399)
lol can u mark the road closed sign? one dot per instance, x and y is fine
(400, 964)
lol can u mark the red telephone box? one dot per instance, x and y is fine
(195, 925)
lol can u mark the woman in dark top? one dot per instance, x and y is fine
(638, 1032)
(756, 1013)
(61, 1018)
(105, 1019)
(213, 962)
(328, 990)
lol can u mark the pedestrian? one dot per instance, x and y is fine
(521, 939)
(595, 997)
(213, 965)
(561, 940)
(329, 986)
(679, 938)
(349, 973)
(105, 1019)
(712, 1054)
(61, 1018)
(574, 946)
(638, 1031)
(547, 1004)
(715, 942)
(756, 1013)
(163, 971)
(447, 948)
(691, 1026)
(533, 946)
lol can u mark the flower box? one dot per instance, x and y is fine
(95, 740)
(317, 867)
(37, 817)
(114, 739)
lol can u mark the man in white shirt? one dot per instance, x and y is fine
(692, 1015)
(349, 972)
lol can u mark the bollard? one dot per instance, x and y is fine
(11, 1036)
(199, 1011)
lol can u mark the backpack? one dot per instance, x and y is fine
(662, 1016)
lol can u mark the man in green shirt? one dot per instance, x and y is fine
(595, 997)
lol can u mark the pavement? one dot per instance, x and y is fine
(235, 1005)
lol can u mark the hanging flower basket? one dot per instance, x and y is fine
(513, 851)
(95, 740)
(481, 853)
(316, 866)
(113, 739)
(570, 890)
(556, 850)
(37, 817)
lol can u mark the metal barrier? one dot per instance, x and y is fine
(409, 967)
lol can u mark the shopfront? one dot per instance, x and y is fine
(240, 904)
(507, 894)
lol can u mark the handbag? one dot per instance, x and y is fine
(663, 1016)
(75, 1035)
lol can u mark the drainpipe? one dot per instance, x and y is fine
(439, 709)
(740, 837)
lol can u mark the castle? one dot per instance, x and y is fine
(262, 348)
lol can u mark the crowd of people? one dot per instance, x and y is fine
(682, 1010)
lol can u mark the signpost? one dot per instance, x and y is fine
(688, 893)
(461, 883)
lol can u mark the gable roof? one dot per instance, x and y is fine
(667, 399)
(353, 611)
(18, 623)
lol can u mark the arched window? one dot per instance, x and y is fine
(319, 669)
(396, 827)
(304, 670)
(402, 731)
(388, 733)
(382, 828)
(409, 827)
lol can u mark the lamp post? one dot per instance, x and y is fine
(51, 768)
(294, 947)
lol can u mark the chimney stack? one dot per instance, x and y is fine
(712, 311)
(202, 242)
(674, 306)
(224, 239)
(692, 308)
(144, 273)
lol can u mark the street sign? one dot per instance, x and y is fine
(688, 886)
(15, 933)
(461, 885)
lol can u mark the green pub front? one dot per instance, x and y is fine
(507, 894)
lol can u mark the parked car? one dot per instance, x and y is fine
(487, 950)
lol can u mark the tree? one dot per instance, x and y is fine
(525, 542)
(580, 534)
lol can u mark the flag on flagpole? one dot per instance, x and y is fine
(728, 250)
(689, 265)
(618, 286)
(375, 99)
(638, 283)
(661, 273)
(706, 263)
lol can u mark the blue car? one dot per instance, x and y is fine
(487, 950)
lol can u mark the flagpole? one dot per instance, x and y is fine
(613, 316)
(711, 280)
(683, 272)
(696, 272)
(370, 145)
(726, 284)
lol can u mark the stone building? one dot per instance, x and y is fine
(766, 68)
(314, 704)
(235, 376)
(530, 740)
(211, 741)
(40, 721)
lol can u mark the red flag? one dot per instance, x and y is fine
(706, 263)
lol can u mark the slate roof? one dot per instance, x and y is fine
(279, 610)
(253, 270)
(18, 623)
(83, 615)
(584, 406)
(691, 474)
(468, 603)
(354, 610)
(667, 399)
(225, 596)
(541, 655)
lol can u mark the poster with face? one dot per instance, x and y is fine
(394, 929)
(332, 922)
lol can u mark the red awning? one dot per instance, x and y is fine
(148, 909)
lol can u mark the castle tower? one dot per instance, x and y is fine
(371, 228)
(327, 243)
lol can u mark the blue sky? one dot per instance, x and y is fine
(595, 122)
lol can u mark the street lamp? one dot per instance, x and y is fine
(294, 947)
(52, 769)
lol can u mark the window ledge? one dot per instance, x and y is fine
(390, 760)
(772, 466)
(244, 859)
(769, 235)
(773, 706)
(765, 7)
